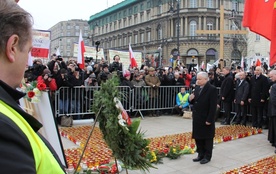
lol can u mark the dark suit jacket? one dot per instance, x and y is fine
(204, 109)
(242, 91)
(258, 90)
(272, 101)
(227, 88)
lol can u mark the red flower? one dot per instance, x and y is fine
(31, 94)
(41, 86)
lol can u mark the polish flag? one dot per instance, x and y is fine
(202, 65)
(258, 62)
(133, 62)
(81, 51)
(242, 63)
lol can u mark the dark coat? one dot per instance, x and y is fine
(204, 109)
(178, 82)
(272, 101)
(258, 90)
(242, 91)
(227, 88)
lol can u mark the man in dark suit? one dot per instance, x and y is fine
(272, 110)
(241, 95)
(227, 94)
(257, 96)
(204, 100)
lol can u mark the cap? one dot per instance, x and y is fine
(47, 71)
(127, 73)
(151, 69)
(92, 76)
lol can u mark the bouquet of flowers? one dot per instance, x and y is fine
(33, 90)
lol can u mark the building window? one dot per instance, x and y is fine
(235, 5)
(125, 40)
(130, 11)
(129, 21)
(77, 33)
(210, 27)
(142, 38)
(120, 42)
(135, 20)
(124, 25)
(193, 28)
(77, 27)
(115, 42)
(68, 47)
(193, 3)
(159, 8)
(68, 27)
(135, 39)
(68, 53)
(148, 16)
(135, 9)
(159, 32)
(209, 3)
(86, 28)
(142, 6)
(119, 25)
(115, 26)
(258, 38)
(148, 4)
(68, 33)
(148, 36)
(141, 17)
(130, 39)
(120, 15)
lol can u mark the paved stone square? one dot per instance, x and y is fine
(226, 155)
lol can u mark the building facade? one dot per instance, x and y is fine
(65, 33)
(168, 27)
(258, 48)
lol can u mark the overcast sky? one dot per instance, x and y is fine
(47, 13)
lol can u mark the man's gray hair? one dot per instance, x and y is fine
(203, 74)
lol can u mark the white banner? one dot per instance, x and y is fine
(89, 52)
(124, 57)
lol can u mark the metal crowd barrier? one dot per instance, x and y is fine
(78, 101)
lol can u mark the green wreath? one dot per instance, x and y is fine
(122, 137)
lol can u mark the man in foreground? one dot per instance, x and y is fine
(204, 100)
(21, 147)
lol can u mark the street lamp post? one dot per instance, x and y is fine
(178, 29)
(172, 11)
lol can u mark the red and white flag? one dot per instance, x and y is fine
(133, 62)
(202, 65)
(81, 50)
(242, 63)
(258, 62)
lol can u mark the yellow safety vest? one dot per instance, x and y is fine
(45, 162)
(183, 99)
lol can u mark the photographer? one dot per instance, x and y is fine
(48, 79)
(116, 65)
(104, 74)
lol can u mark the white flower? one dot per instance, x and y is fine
(37, 92)
(120, 116)
(35, 99)
(122, 122)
